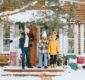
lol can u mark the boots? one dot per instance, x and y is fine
(54, 65)
(51, 65)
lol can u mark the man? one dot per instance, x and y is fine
(24, 45)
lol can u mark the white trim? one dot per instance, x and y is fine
(71, 39)
(65, 44)
(61, 41)
(12, 29)
(14, 35)
(81, 38)
(65, 38)
(3, 52)
(71, 1)
(75, 38)
(1, 38)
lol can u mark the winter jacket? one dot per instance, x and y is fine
(22, 40)
(53, 47)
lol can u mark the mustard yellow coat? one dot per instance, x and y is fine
(53, 47)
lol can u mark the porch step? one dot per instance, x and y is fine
(17, 71)
(36, 75)
(34, 70)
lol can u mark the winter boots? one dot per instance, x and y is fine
(53, 65)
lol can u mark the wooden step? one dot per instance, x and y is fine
(37, 75)
(34, 70)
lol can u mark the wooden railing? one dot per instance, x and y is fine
(4, 59)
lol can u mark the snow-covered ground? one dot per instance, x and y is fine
(68, 74)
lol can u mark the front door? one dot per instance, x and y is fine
(33, 30)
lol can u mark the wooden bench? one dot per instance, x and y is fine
(4, 59)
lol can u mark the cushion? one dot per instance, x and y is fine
(72, 60)
(74, 66)
(80, 60)
(4, 58)
(71, 56)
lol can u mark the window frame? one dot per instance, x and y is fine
(3, 38)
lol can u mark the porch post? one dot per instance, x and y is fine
(61, 41)
(38, 35)
(25, 25)
(1, 37)
(65, 43)
(81, 38)
(75, 38)
(12, 35)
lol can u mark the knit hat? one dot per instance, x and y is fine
(44, 34)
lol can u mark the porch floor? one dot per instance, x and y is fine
(17, 71)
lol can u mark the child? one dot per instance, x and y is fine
(43, 51)
(53, 49)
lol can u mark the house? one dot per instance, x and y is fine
(70, 42)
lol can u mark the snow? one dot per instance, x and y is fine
(68, 74)
(17, 10)
(19, 78)
(75, 75)
(30, 15)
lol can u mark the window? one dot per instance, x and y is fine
(6, 38)
(84, 39)
(71, 40)
(71, 45)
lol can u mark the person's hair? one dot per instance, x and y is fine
(53, 34)
(22, 33)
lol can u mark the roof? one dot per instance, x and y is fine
(29, 16)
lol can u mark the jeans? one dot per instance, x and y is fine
(41, 55)
(25, 51)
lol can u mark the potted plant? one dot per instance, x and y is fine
(59, 61)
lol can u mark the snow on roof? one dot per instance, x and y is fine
(30, 15)
(10, 12)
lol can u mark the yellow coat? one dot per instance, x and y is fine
(53, 47)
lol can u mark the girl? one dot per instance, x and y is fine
(53, 49)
